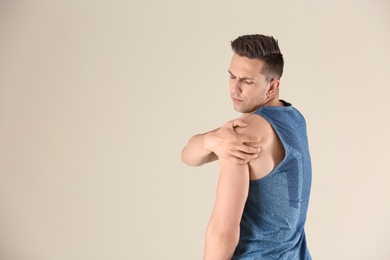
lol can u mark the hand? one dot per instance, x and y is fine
(225, 143)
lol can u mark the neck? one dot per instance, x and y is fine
(274, 102)
(269, 102)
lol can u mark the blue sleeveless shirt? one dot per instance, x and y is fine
(272, 224)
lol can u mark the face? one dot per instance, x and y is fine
(248, 87)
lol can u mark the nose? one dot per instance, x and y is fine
(235, 86)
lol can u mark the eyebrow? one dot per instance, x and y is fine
(243, 78)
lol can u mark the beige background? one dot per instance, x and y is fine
(97, 99)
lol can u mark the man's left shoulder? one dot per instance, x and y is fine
(256, 125)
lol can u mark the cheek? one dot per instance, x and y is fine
(256, 94)
(253, 91)
(231, 83)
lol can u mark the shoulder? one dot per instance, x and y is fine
(272, 150)
(256, 125)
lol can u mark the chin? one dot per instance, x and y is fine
(237, 108)
(240, 110)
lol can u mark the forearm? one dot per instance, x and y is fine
(195, 154)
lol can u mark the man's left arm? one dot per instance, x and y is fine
(223, 230)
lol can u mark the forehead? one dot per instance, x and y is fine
(245, 67)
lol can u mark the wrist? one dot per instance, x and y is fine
(207, 141)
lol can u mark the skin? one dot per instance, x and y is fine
(249, 89)
(222, 143)
(236, 144)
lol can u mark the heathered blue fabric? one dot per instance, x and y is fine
(272, 225)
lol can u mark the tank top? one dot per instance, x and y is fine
(272, 224)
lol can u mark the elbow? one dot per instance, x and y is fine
(188, 159)
(225, 237)
(184, 157)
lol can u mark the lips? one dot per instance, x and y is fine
(236, 100)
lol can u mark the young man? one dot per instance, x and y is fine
(262, 197)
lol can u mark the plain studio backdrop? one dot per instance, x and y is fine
(97, 99)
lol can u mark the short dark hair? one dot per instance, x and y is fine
(264, 48)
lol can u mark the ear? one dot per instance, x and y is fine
(274, 87)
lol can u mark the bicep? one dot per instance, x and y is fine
(232, 192)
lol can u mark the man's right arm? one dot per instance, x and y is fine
(195, 153)
(222, 142)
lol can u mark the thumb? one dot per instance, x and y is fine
(239, 123)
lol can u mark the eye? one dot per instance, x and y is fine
(232, 76)
(248, 82)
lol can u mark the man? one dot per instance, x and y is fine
(262, 197)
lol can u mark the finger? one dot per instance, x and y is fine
(242, 162)
(238, 160)
(239, 123)
(249, 139)
(249, 149)
(245, 156)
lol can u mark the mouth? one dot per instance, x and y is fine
(237, 100)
